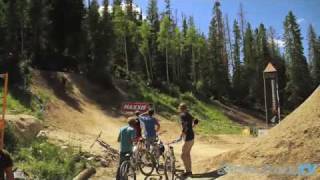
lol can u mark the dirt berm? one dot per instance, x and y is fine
(295, 141)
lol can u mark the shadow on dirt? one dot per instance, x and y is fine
(108, 99)
(59, 85)
(203, 176)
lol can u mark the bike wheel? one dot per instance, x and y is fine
(124, 170)
(169, 168)
(160, 165)
(126, 173)
(147, 163)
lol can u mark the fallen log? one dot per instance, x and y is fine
(85, 174)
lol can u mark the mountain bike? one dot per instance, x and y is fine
(170, 160)
(157, 151)
(145, 159)
(128, 168)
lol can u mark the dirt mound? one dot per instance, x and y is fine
(294, 141)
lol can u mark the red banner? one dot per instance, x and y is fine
(135, 106)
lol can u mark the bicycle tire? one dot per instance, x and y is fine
(124, 171)
(169, 168)
(147, 155)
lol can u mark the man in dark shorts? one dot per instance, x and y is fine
(187, 123)
(6, 166)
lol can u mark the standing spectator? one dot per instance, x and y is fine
(187, 123)
(126, 138)
(5, 166)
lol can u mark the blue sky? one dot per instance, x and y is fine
(269, 12)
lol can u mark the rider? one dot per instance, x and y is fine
(137, 126)
(150, 126)
(127, 137)
(5, 165)
(187, 122)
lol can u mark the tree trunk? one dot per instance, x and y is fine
(194, 76)
(147, 67)
(126, 55)
(167, 64)
(151, 65)
(22, 39)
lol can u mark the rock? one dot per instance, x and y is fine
(90, 158)
(104, 163)
(26, 127)
(42, 134)
(20, 175)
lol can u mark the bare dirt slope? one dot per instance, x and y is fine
(79, 110)
(294, 141)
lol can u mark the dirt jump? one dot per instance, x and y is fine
(76, 117)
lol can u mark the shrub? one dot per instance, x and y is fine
(44, 160)
(10, 139)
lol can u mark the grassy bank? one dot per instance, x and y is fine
(212, 120)
(39, 158)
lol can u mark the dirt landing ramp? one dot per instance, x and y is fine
(295, 141)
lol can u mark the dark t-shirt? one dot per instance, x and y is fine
(137, 127)
(187, 122)
(5, 162)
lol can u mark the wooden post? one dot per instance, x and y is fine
(265, 99)
(4, 108)
(278, 97)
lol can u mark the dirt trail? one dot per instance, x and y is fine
(76, 118)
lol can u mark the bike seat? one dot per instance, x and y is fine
(128, 155)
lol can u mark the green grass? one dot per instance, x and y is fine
(15, 106)
(212, 119)
(44, 160)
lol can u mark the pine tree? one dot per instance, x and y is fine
(249, 64)
(117, 3)
(219, 61)
(38, 14)
(191, 42)
(242, 19)
(2, 13)
(314, 55)
(278, 61)
(177, 47)
(263, 58)
(299, 85)
(184, 26)
(153, 19)
(237, 75)
(66, 26)
(3, 32)
(17, 24)
(167, 8)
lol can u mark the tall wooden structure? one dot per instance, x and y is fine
(271, 95)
